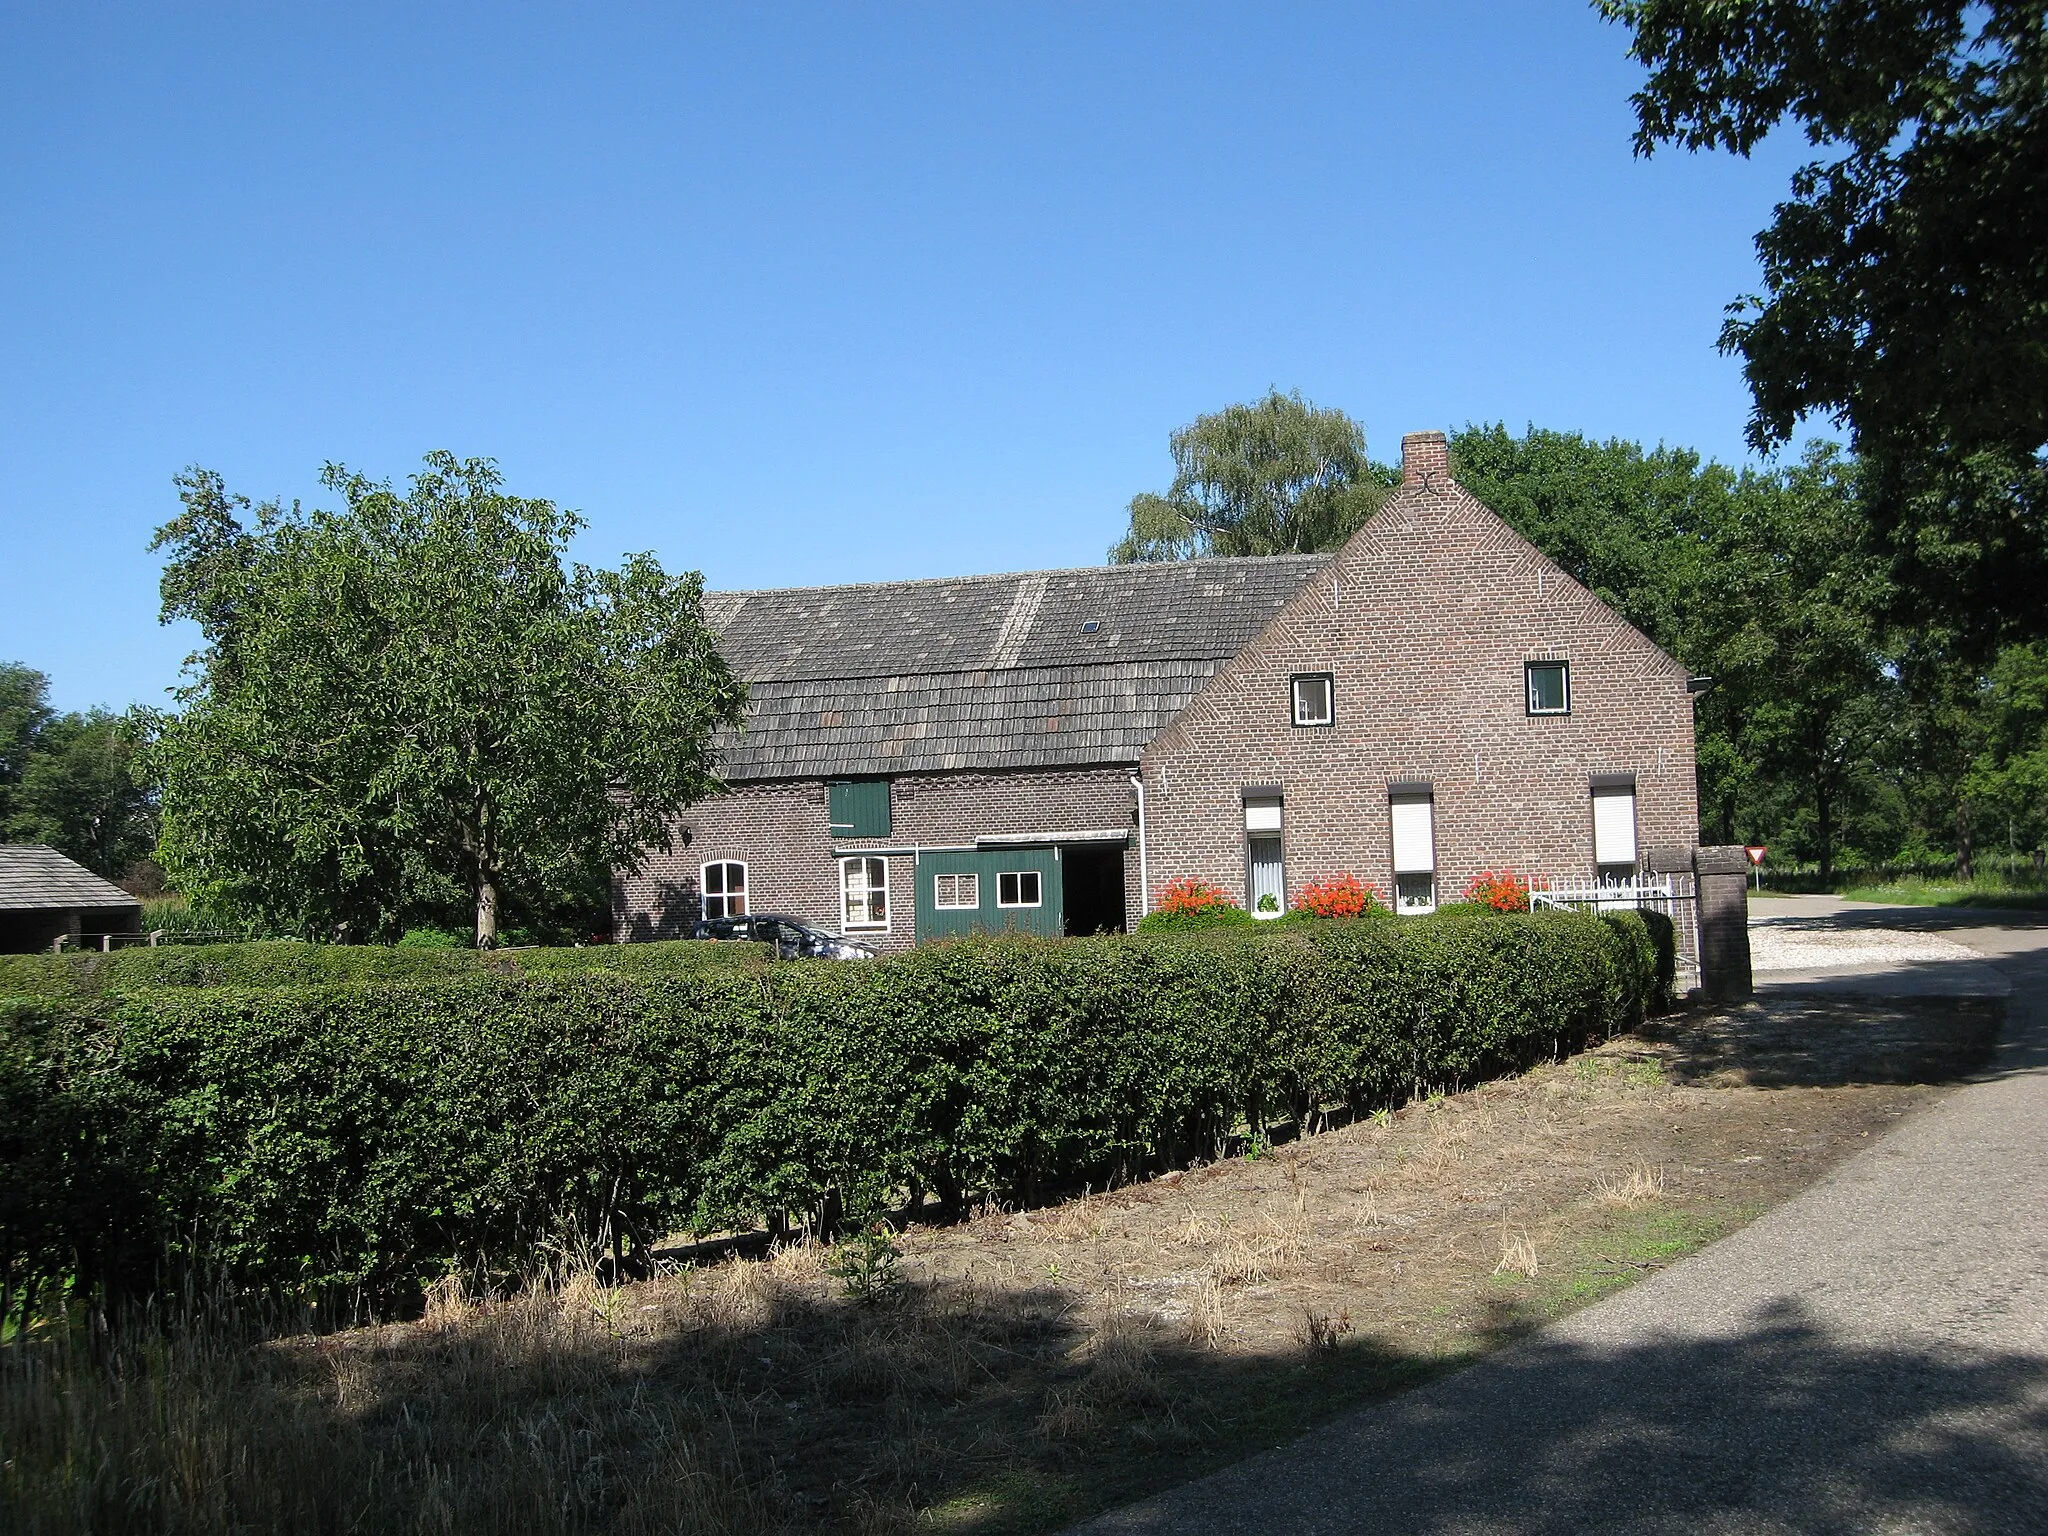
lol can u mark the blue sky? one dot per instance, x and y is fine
(795, 294)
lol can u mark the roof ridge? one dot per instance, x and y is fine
(1047, 573)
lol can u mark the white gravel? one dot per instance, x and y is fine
(1816, 944)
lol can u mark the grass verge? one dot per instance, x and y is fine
(1949, 893)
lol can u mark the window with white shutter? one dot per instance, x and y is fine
(1614, 829)
(1412, 810)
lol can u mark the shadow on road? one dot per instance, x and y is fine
(1826, 1037)
(1778, 1428)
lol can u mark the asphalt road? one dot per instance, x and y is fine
(1871, 1356)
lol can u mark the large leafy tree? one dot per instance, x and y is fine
(415, 697)
(1906, 277)
(1278, 476)
(2008, 780)
(1807, 678)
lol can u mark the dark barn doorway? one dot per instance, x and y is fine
(1094, 880)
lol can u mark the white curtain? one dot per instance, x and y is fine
(1268, 877)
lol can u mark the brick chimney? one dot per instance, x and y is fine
(1425, 460)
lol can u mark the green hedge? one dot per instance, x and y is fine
(287, 963)
(362, 1137)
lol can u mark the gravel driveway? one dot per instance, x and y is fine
(1810, 940)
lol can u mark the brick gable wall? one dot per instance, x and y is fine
(779, 829)
(1426, 618)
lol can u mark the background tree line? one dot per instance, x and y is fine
(1846, 725)
(71, 780)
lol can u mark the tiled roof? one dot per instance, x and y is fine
(35, 878)
(985, 671)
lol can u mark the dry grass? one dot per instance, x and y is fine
(1517, 1254)
(1639, 1184)
(1030, 1367)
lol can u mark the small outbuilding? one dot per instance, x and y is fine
(44, 895)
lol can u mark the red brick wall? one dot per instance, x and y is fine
(1426, 618)
(779, 830)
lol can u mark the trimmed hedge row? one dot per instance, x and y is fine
(369, 1136)
(287, 963)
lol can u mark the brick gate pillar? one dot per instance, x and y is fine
(1721, 876)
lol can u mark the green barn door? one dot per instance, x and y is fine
(1009, 890)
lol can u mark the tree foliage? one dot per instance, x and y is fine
(412, 705)
(1906, 277)
(1278, 476)
(24, 711)
(72, 780)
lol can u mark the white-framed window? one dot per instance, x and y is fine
(1550, 687)
(1614, 832)
(1265, 872)
(1018, 888)
(725, 888)
(953, 893)
(863, 893)
(1415, 895)
(1315, 698)
(1412, 811)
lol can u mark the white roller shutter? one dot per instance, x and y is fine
(1262, 815)
(1614, 827)
(1414, 835)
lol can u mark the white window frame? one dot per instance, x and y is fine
(1251, 868)
(724, 897)
(965, 888)
(1414, 850)
(1610, 869)
(1329, 682)
(1420, 908)
(1264, 818)
(1529, 684)
(867, 924)
(1037, 887)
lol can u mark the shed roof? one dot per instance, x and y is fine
(1031, 670)
(37, 879)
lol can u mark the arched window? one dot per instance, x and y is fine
(725, 889)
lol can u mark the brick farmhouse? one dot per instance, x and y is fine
(1045, 751)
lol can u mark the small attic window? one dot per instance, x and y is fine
(1090, 626)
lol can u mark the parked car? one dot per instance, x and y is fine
(793, 938)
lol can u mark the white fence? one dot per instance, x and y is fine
(1673, 895)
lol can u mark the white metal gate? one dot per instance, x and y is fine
(1674, 895)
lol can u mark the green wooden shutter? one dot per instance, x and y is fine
(858, 807)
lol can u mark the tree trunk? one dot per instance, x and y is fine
(479, 841)
(1966, 851)
(486, 910)
(1824, 827)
